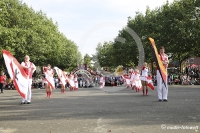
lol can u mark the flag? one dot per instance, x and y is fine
(61, 75)
(150, 82)
(70, 81)
(119, 71)
(17, 73)
(159, 64)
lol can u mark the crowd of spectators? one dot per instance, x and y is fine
(190, 76)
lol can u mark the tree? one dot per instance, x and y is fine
(87, 60)
(24, 31)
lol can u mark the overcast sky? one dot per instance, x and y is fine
(88, 22)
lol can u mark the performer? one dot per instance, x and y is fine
(162, 88)
(67, 80)
(61, 78)
(138, 84)
(62, 86)
(29, 69)
(128, 81)
(144, 79)
(102, 81)
(132, 79)
(49, 81)
(2, 80)
(76, 82)
(72, 83)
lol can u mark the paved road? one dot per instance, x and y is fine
(91, 110)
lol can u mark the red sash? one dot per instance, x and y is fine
(165, 66)
(163, 60)
(29, 73)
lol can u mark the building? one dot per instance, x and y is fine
(192, 61)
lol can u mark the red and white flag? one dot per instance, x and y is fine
(70, 80)
(17, 73)
(150, 82)
(61, 75)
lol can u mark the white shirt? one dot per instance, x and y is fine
(145, 72)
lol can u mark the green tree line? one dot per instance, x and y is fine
(173, 25)
(25, 31)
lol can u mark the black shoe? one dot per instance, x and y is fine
(165, 100)
(159, 100)
(28, 102)
(23, 103)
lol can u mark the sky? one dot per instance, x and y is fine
(89, 22)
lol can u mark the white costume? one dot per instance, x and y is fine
(76, 83)
(49, 77)
(162, 88)
(71, 80)
(127, 80)
(137, 80)
(29, 72)
(102, 82)
(144, 75)
(132, 79)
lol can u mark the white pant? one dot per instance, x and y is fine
(161, 88)
(28, 97)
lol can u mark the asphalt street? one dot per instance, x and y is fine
(95, 110)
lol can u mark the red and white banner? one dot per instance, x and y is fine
(150, 82)
(61, 75)
(17, 73)
(70, 81)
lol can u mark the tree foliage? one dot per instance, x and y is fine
(87, 60)
(25, 31)
(174, 26)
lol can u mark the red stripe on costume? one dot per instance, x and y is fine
(143, 67)
(44, 69)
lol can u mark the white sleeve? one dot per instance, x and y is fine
(33, 66)
(23, 64)
(146, 69)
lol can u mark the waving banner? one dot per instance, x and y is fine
(70, 80)
(61, 75)
(150, 82)
(119, 71)
(17, 73)
(159, 64)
